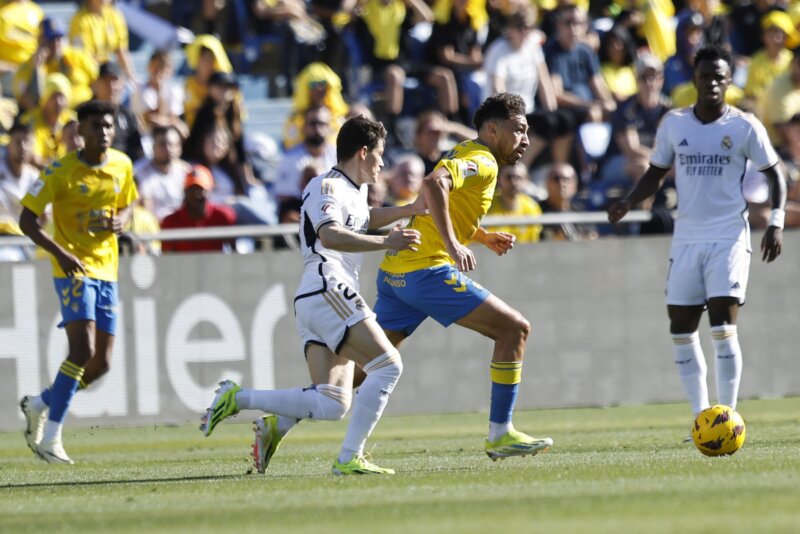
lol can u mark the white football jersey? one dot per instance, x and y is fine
(331, 198)
(710, 162)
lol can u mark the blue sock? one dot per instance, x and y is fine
(63, 389)
(505, 384)
(46, 396)
(504, 396)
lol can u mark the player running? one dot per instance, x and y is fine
(430, 281)
(337, 328)
(709, 145)
(91, 191)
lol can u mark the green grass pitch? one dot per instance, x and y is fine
(621, 469)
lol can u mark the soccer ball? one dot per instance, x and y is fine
(718, 430)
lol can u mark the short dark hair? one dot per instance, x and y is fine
(164, 130)
(712, 52)
(355, 133)
(95, 107)
(501, 106)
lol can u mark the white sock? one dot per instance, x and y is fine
(322, 401)
(285, 424)
(52, 431)
(382, 374)
(38, 404)
(498, 430)
(728, 365)
(691, 368)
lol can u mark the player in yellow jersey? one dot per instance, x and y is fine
(430, 281)
(91, 191)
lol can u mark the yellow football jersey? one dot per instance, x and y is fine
(82, 196)
(474, 172)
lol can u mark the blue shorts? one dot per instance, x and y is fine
(444, 293)
(88, 299)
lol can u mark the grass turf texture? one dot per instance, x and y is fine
(610, 470)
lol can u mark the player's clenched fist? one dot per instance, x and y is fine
(617, 211)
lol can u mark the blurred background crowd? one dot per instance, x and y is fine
(228, 107)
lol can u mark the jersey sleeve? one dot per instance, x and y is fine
(759, 149)
(466, 169)
(663, 152)
(322, 207)
(41, 192)
(128, 192)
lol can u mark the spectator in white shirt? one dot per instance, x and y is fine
(160, 179)
(159, 102)
(16, 172)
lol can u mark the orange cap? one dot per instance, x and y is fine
(199, 175)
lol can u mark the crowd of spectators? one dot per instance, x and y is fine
(596, 77)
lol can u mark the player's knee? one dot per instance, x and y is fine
(387, 368)
(518, 328)
(333, 403)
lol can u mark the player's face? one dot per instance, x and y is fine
(512, 139)
(712, 78)
(373, 164)
(97, 131)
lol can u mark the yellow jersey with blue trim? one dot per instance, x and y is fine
(473, 170)
(83, 196)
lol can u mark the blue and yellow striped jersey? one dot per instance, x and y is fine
(82, 196)
(474, 172)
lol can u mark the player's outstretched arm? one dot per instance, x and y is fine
(29, 224)
(772, 242)
(436, 190)
(380, 217)
(646, 187)
(336, 237)
(498, 242)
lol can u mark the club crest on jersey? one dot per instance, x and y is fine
(84, 189)
(726, 143)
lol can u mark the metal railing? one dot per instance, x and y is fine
(292, 229)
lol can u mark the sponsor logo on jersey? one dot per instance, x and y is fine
(726, 143)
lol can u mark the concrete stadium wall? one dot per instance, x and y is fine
(600, 333)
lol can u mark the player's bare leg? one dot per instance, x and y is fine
(509, 329)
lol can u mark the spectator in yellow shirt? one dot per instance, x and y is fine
(778, 33)
(100, 29)
(781, 102)
(54, 55)
(19, 31)
(205, 56)
(616, 63)
(49, 119)
(511, 200)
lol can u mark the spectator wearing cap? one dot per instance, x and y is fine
(54, 55)
(688, 38)
(100, 29)
(223, 106)
(781, 101)
(19, 31)
(109, 86)
(159, 101)
(197, 211)
(777, 33)
(205, 56)
(48, 120)
(160, 178)
(745, 19)
(634, 125)
(316, 85)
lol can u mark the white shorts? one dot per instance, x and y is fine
(700, 271)
(323, 317)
